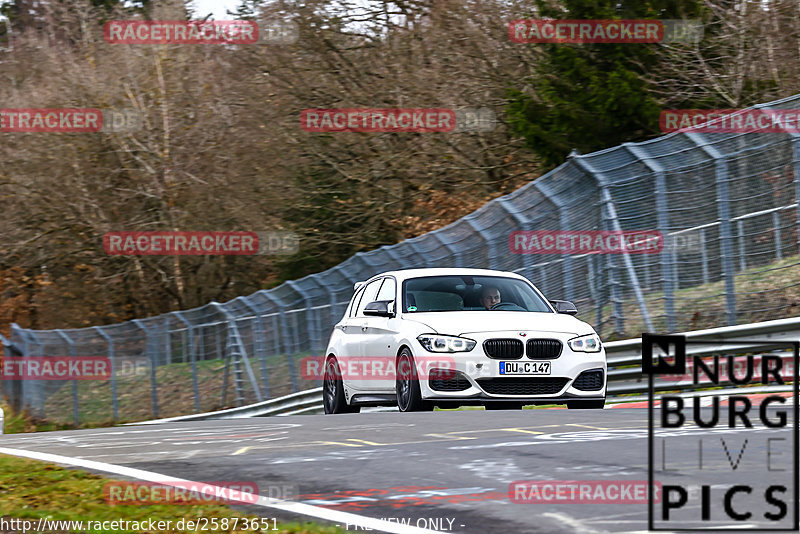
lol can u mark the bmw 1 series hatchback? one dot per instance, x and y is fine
(421, 338)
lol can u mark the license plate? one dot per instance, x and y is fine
(525, 368)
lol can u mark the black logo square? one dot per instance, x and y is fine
(663, 342)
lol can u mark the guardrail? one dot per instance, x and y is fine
(624, 374)
(624, 357)
(309, 401)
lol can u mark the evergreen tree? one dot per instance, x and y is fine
(591, 96)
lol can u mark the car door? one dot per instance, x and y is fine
(356, 334)
(379, 341)
(349, 327)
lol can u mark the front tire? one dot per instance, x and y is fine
(409, 396)
(333, 400)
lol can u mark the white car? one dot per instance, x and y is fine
(420, 338)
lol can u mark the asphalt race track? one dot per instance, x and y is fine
(445, 471)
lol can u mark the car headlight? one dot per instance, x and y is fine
(587, 343)
(437, 343)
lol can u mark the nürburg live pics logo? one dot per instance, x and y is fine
(725, 454)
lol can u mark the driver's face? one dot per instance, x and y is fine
(490, 298)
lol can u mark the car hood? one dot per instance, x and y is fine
(469, 322)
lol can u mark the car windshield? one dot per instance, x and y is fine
(470, 293)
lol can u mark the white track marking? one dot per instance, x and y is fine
(505, 471)
(287, 506)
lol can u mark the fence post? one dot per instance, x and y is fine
(234, 331)
(169, 341)
(611, 216)
(148, 349)
(704, 255)
(418, 255)
(614, 286)
(284, 328)
(332, 292)
(389, 252)
(776, 222)
(564, 224)
(35, 393)
(616, 294)
(667, 259)
(259, 343)
(325, 331)
(17, 396)
(225, 357)
(313, 328)
(370, 268)
(543, 273)
(523, 222)
(724, 216)
(11, 387)
(71, 343)
(674, 254)
(490, 244)
(193, 358)
(454, 252)
(597, 275)
(220, 350)
(742, 250)
(114, 403)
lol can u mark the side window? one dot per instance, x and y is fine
(387, 291)
(369, 294)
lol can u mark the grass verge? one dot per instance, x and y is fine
(36, 490)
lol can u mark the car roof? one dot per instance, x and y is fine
(404, 274)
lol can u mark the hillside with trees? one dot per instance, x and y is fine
(221, 145)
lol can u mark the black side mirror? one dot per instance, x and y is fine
(380, 308)
(564, 306)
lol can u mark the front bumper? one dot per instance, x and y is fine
(475, 376)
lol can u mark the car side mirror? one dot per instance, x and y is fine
(564, 306)
(380, 308)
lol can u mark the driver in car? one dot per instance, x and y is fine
(490, 296)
